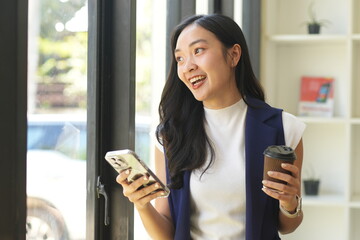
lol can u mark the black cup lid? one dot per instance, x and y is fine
(280, 152)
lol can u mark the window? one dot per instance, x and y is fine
(57, 101)
(150, 78)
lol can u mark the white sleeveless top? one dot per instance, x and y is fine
(218, 198)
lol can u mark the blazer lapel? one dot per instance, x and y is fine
(258, 136)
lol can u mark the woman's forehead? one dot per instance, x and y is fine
(193, 33)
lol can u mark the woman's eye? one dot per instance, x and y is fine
(198, 50)
(179, 59)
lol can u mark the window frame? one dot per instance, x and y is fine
(13, 104)
(111, 111)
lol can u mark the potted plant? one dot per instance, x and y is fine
(315, 24)
(311, 182)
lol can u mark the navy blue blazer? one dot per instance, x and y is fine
(263, 127)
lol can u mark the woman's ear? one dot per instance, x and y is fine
(235, 54)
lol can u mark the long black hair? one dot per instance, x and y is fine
(181, 128)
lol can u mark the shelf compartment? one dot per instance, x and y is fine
(356, 81)
(320, 223)
(290, 16)
(355, 163)
(286, 64)
(354, 223)
(325, 158)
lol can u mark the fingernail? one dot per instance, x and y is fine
(162, 193)
(270, 173)
(264, 182)
(283, 165)
(127, 172)
(157, 185)
(145, 178)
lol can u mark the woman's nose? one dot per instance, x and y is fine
(190, 66)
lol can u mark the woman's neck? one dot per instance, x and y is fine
(224, 102)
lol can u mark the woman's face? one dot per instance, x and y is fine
(205, 69)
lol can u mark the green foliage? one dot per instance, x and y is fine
(62, 57)
(62, 61)
(65, 62)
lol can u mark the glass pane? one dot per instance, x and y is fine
(56, 157)
(238, 10)
(202, 6)
(150, 78)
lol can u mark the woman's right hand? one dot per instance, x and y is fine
(140, 197)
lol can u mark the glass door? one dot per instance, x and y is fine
(150, 79)
(56, 149)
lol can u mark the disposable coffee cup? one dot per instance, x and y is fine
(274, 156)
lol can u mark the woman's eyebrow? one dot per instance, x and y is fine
(193, 43)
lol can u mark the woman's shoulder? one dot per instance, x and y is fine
(293, 129)
(292, 121)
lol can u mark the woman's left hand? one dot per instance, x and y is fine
(285, 193)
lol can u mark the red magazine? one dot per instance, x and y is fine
(316, 96)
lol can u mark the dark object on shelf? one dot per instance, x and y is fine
(314, 24)
(314, 28)
(311, 187)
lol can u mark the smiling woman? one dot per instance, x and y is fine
(211, 142)
(206, 67)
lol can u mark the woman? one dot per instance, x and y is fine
(214, 127)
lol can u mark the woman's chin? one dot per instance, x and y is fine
(199, 98)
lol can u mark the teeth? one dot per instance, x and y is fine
(195, 79)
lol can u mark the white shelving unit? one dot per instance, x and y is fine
(331, 145)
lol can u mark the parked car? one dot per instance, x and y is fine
(56, 175)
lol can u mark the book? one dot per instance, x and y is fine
(316, 96)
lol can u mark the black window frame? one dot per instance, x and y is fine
(13, 104)
(111, 111)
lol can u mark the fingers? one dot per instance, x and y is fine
(291, 179)
(122, 177)
(280, 187)
(139, 192)
(288, 179)
(285, 193)
(151, 195)
(141, 198)
(292, 168)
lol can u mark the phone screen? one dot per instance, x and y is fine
(323, 93)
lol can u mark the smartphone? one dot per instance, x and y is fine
(122, 160)
(323, 93)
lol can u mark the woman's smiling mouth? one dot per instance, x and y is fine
(197, 81)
